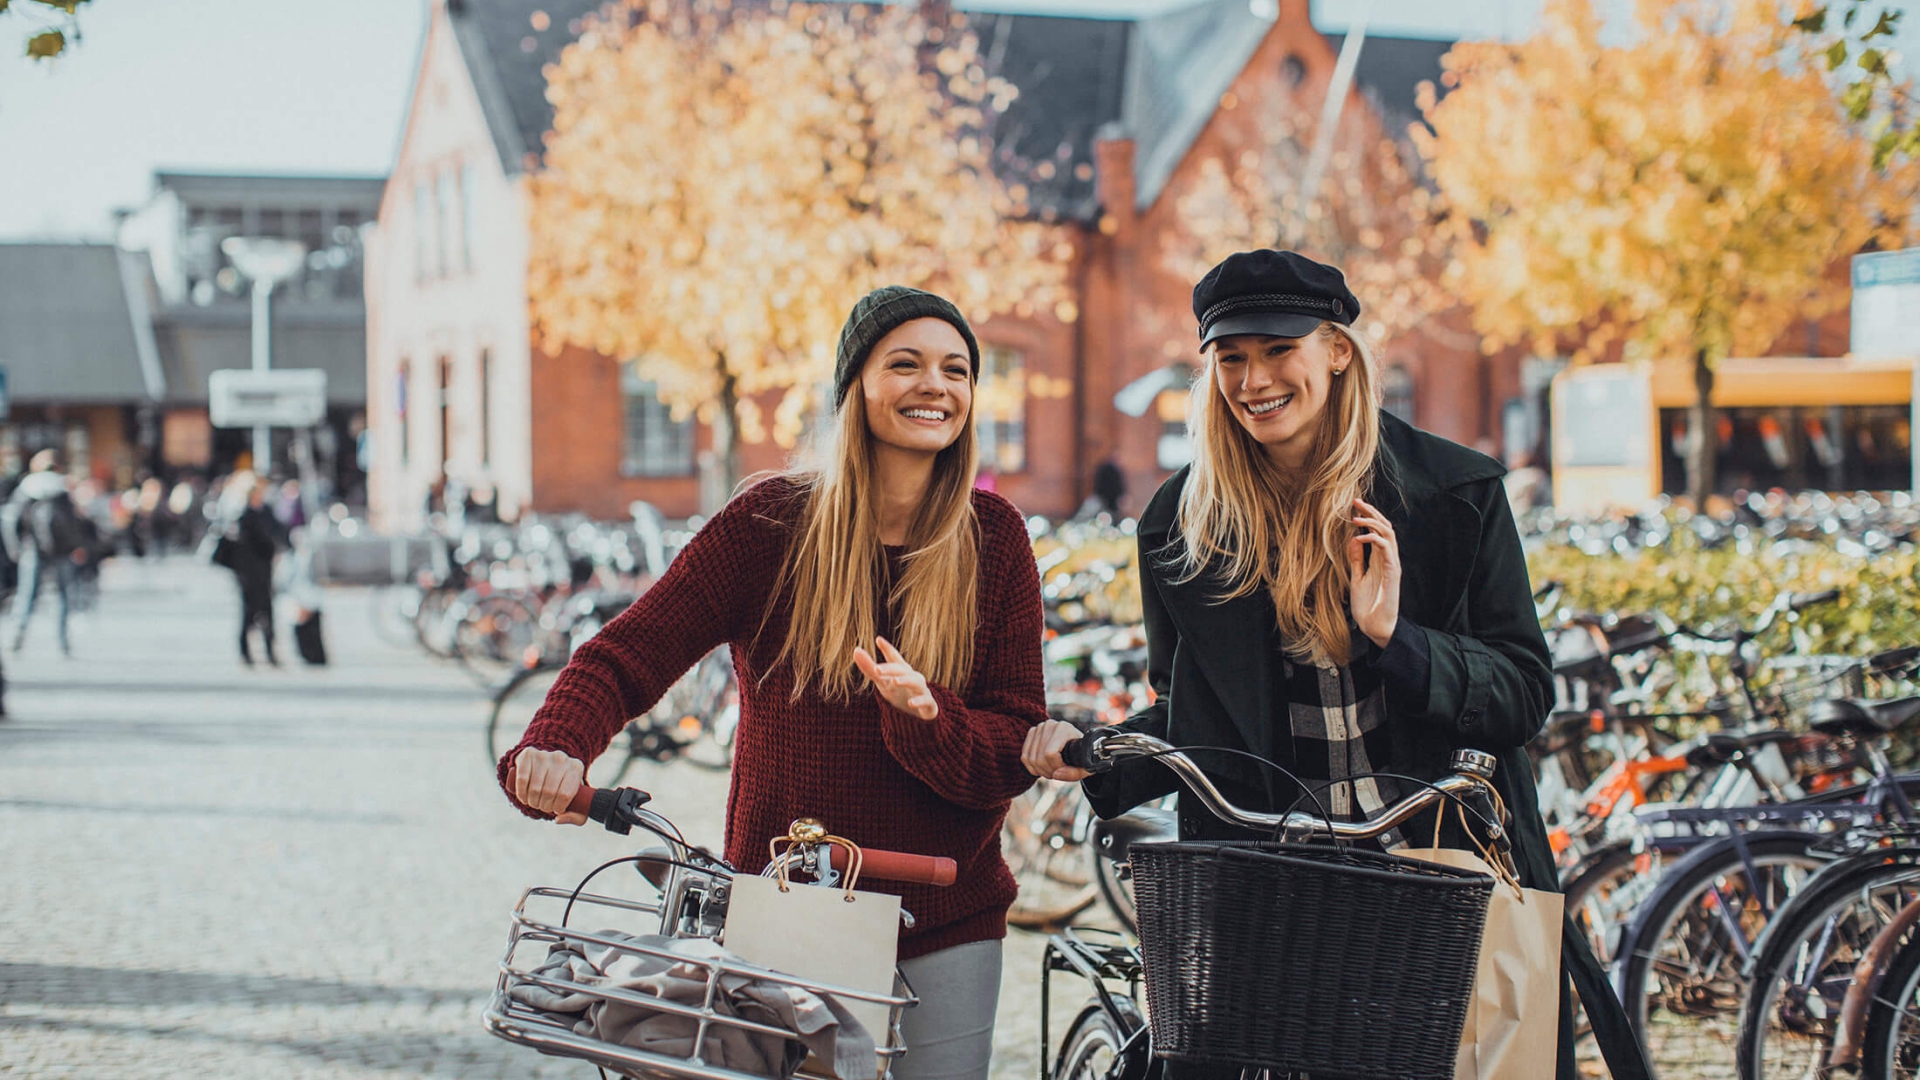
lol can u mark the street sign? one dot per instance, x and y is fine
(238, 398)
(1886, 304)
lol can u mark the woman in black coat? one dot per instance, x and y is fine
(257, 537)
(1337, 592)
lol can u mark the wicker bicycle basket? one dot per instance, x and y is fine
(1297, 957)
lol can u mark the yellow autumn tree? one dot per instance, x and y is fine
(1681, 193)
(723, 181)
(1371, 216)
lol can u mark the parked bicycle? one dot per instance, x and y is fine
(1201, 951)
(690, 889)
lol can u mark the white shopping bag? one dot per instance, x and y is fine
(833, 935)
(1513, 1023)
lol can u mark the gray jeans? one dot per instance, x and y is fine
(949, 1035)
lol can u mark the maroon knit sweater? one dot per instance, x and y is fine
(875, 775)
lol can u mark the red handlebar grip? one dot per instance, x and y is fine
(900, 866)
(582, 799)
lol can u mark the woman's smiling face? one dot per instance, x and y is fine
(918, 386)
(1277, 387)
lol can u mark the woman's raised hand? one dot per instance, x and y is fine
(546, 780)
(904, 688)
(1373, 585)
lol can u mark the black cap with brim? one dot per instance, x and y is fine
(1265, 323)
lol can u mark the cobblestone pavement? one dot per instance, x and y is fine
(214, 871)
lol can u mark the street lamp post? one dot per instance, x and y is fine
(266, 261)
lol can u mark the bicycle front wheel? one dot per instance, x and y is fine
(1681, 961)
(1041, 837)
(513, 709)
(1890, 1049)
(1807, 961)
(1095, 1039)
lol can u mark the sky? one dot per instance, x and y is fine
(305, 86)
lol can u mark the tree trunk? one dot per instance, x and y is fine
(720, 464)
(1703, 443)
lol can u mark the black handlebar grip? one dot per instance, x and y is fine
(604, 809)
(1803, 601)
(1079, 754)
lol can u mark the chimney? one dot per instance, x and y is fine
(1113, 179)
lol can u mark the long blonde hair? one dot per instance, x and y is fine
(1263, 529)
(836, 564)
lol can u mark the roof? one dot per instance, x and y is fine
(507, 58)
(193, 342)
(1391, 70)
(74, 327)
(1180, 64)
(300, 190)
(1071, 74)
(1157, 77)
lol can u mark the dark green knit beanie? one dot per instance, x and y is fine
(876, 315)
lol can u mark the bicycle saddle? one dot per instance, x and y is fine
(1148, 824)
(1724, 749)
(1851, 716)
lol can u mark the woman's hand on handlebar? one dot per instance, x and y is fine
(1041, 753)
(546, 780)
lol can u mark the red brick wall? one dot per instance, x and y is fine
(579, 422)
(1140, 314)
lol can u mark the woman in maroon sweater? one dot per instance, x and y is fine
(807, 576)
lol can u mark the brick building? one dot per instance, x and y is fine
(1113, 120)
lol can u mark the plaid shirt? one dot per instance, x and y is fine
(1337, 715)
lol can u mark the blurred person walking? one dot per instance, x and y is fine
(248, 549)
(43, 533)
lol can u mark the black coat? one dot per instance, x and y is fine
(1464, 584)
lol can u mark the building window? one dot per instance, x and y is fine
(655, 444)
(1397, 393)
(1000, 410)
(467, 177)
(449, 222)
(400, 394)
(486, 408)
(423, 238)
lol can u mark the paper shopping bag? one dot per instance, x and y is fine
(821, 935)
(1513, 1023)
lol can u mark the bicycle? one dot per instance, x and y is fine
(695, 721)
(1113, 1038)
(692, 887)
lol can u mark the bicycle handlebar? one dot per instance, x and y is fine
(614, 806)
(1100, 750)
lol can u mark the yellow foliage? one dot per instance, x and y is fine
(1686, 191)
(721, 185)
(1370, 217)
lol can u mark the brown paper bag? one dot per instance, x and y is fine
(1513, 1023)
(828, 935)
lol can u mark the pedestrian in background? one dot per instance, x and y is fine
(44, 534)
(248, 549)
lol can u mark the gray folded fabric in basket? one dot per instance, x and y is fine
(824, 1025)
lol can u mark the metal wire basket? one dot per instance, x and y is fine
(545, 917)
